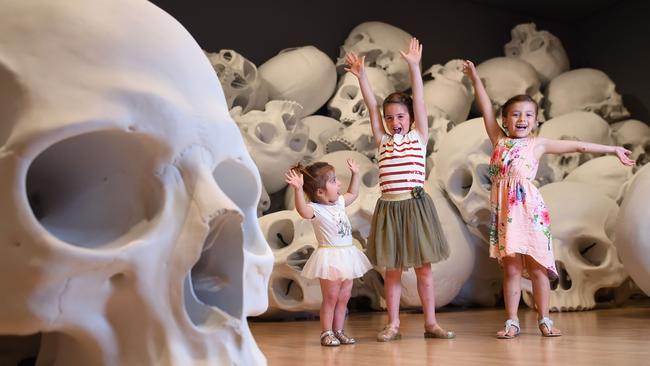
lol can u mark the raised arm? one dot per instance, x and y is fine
(484, 103)
(549, 146)
(413, 55)
(357, 68)
(295, 180)
(353, 188)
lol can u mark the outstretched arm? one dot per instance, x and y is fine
(549, 146)
(355, 66)
(353, 188)
(413, 55)
(484, 103)
(295, 180)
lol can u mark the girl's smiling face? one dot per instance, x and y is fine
(398, 119)
(521, 119)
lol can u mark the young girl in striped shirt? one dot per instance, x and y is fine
(405, 229)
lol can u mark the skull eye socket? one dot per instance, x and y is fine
(265, 132)
(90, 190)
(536, 44)
(280, 234)
(460, 182)
(349, 92)
(371, 178)
(592, 252)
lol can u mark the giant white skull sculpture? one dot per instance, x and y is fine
(605, 174)
(239, 79)
(347, 104)
(579, 125)
(304, 74)
(541, 49)
(450, 274)
(356, 137)
(505, 77)
(633, 230)
(276, 138)
(584, 90)
(380, 43)
(582, 223)
(129, 198)
(321, 128)
(634, 135)
(447, 89)
(461, 169)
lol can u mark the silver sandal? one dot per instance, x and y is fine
(510, 323)
(548, 323)
(328, 339)
(344, 338)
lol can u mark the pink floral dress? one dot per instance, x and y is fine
(520, 220)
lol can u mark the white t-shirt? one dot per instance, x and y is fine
(331, 224)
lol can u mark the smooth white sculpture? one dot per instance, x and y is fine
(582, 224)
(541, 49)
(461, 169)
(605, 174)
(275, 132)
(484, 287)
(578, 125)
(321, 128)
(633, 230)
(450, 274)
(380, 43)
(239, 79)
(347, 104)
(584, 90)
(128, 234)
(303, 74)
(634, 135)
(505, 77)
(448, 90)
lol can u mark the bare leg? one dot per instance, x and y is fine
(512, 268)
(330, 291)
(541, 290)
(342, 304)
(392, 292)
(427, 298)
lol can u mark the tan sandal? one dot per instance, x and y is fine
(548, 323)
(328, 339)
(389, 334)
(510, 324)
(438, 332)
(344, 338)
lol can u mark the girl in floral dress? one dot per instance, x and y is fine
(520, 236)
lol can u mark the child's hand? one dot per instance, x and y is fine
(355, 64)
(469, 69)
(294, 179)
(414, 52)
(353, 165)
(622, 154)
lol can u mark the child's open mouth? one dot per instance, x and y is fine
(397, 130)
(521, 127)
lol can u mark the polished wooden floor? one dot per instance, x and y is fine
(618, 336)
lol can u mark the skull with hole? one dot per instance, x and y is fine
(584, 90)
(275, 132)
(461, 169)
(605, 174)
(633, 135)
(380, 43)
(505, 77)
(447, 89)
(321, 128)
(583, 224)
(356, 137)
(450, 274)
(239, 79)
(130, 198)
(361, 210)
(633, 231)
(541, 49)
(303, 74)
(581, 126)
(347, 104)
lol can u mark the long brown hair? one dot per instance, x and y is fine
(315, 176)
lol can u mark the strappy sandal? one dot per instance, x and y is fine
(510, 323)
(328, 339)
(344, 338)
(548, 323)
(439, 333)
(389, 334)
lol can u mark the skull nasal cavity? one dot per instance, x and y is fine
(90, 190)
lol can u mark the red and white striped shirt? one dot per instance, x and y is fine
(401, 163)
